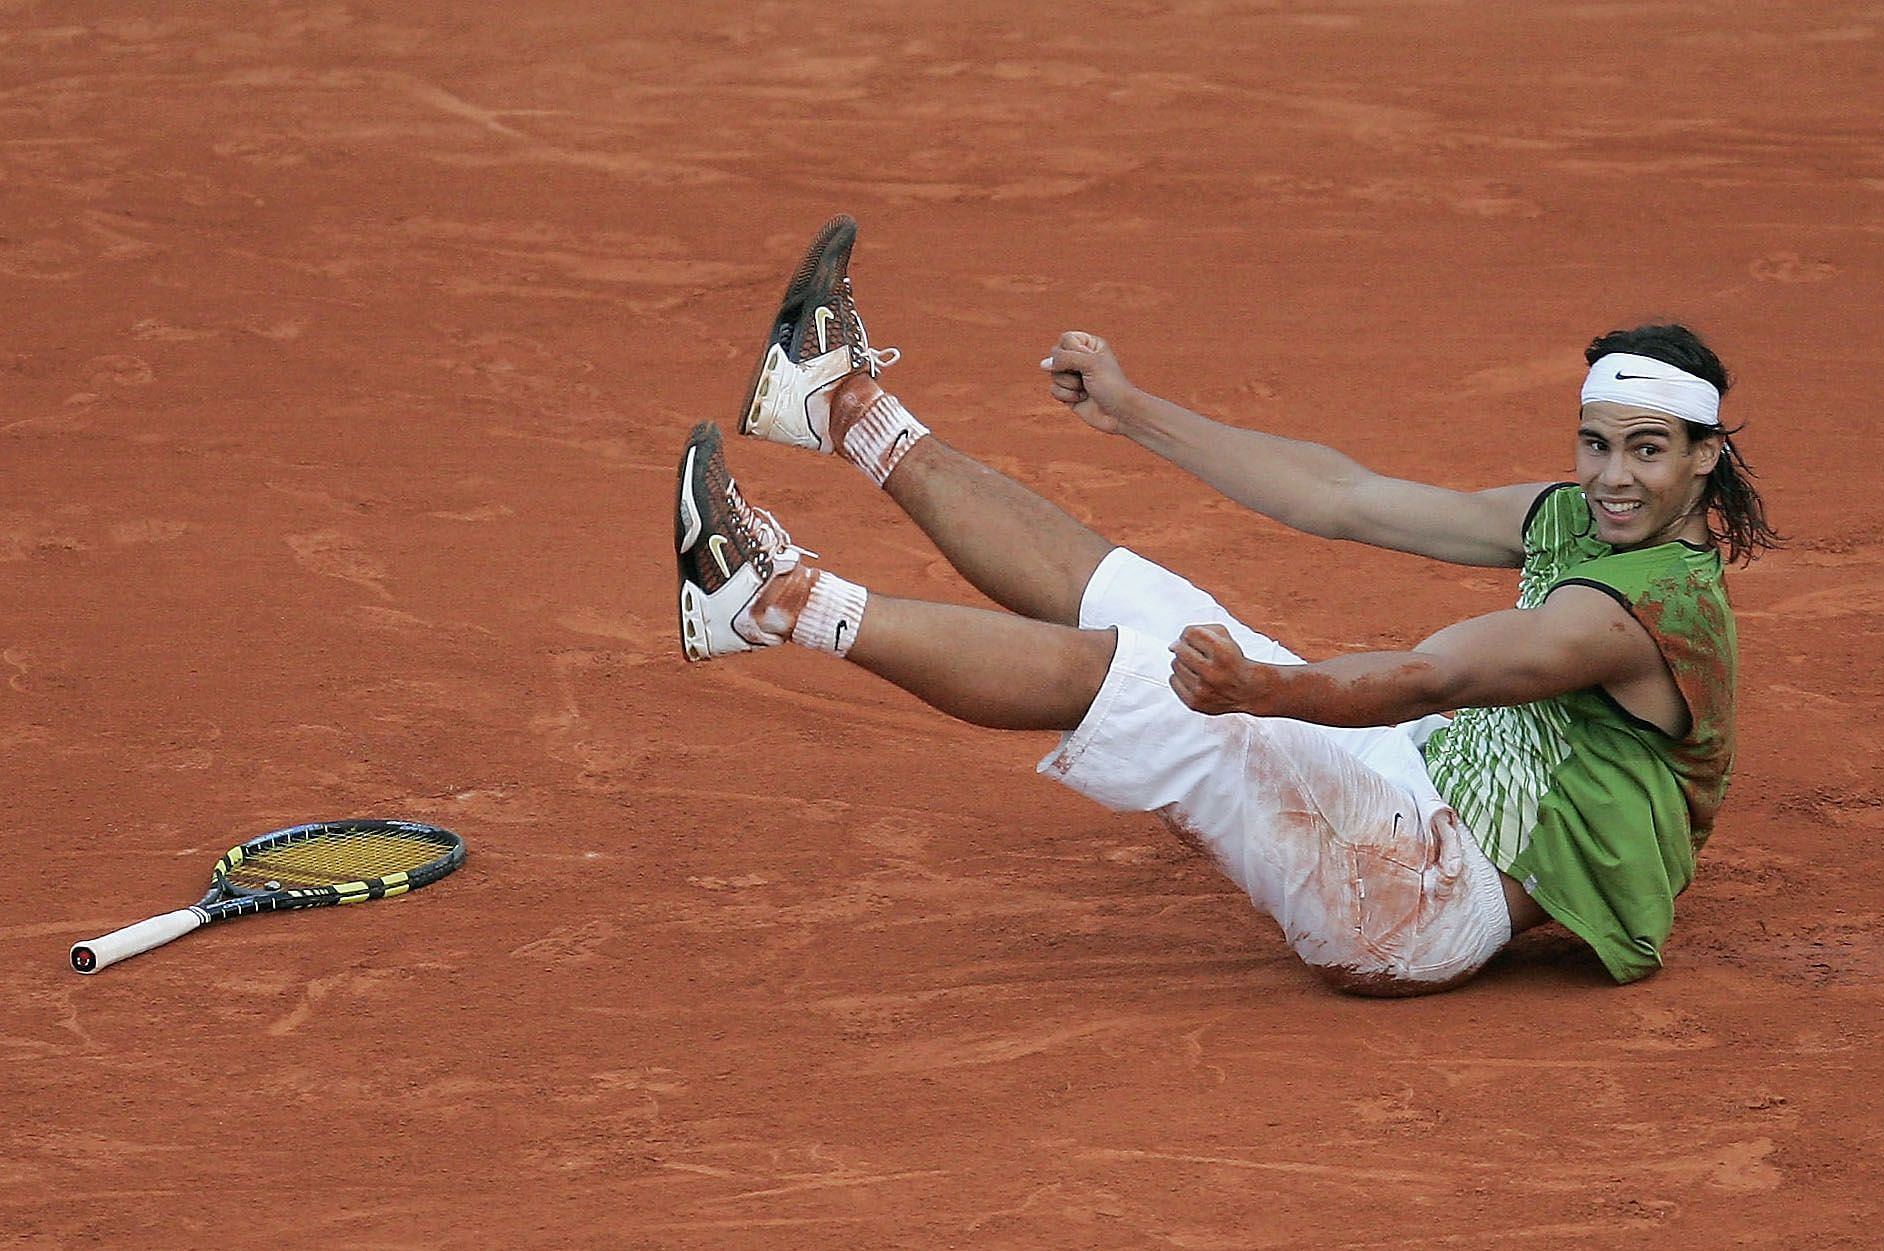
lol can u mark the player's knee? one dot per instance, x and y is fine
(1086, 663)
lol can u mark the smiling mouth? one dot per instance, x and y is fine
(1619, 509)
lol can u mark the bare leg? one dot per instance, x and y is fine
(986, 668)
(1024, 553)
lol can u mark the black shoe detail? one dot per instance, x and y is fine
(726, 541)
(819, 281)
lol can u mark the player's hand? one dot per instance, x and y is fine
(1087, 379)
(1210, 673)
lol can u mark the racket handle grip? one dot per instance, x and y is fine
(99, 953)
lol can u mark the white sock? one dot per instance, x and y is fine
(831, 615)
(881, 438)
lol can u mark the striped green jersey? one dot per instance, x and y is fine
(1596, 811)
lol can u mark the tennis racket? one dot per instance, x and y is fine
(304, 866)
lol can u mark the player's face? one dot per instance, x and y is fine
(1642, 474)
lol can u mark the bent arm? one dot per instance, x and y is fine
(1320, 491)
(1577, 638)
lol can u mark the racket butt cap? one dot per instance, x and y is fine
(101, 953)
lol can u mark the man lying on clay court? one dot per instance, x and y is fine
(1397, 848)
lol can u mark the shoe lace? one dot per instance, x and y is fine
(760, 528)
(862, 355)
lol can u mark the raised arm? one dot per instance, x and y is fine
(1307, 486)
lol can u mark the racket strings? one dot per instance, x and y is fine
(331, 859)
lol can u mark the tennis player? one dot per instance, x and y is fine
(1399, 848)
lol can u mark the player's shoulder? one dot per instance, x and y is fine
(1513, 510)
(1682, 565)
(1595, 619)
(1538, 500)
(1675, 585)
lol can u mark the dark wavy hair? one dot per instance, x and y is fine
(1736, 516)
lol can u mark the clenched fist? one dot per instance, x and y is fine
(1210, 673)
(1087, 379)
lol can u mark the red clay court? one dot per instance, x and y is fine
(347, 353)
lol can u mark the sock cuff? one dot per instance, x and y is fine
(830, 617)
(881, 438)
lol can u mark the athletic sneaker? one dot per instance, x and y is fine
(817, 341)
(728, 553)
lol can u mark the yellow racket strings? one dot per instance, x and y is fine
(335, 857)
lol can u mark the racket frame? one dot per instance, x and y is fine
(225, 899)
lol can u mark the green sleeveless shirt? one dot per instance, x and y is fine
(1596, 811)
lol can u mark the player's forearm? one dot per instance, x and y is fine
(1298, 483)
(1364, 688)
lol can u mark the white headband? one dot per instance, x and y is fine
(1643, 381)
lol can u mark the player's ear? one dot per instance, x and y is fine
(1707, 452)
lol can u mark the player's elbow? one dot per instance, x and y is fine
(1441, 685)
(1337, 509)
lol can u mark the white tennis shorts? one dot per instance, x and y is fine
(1337, 833)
